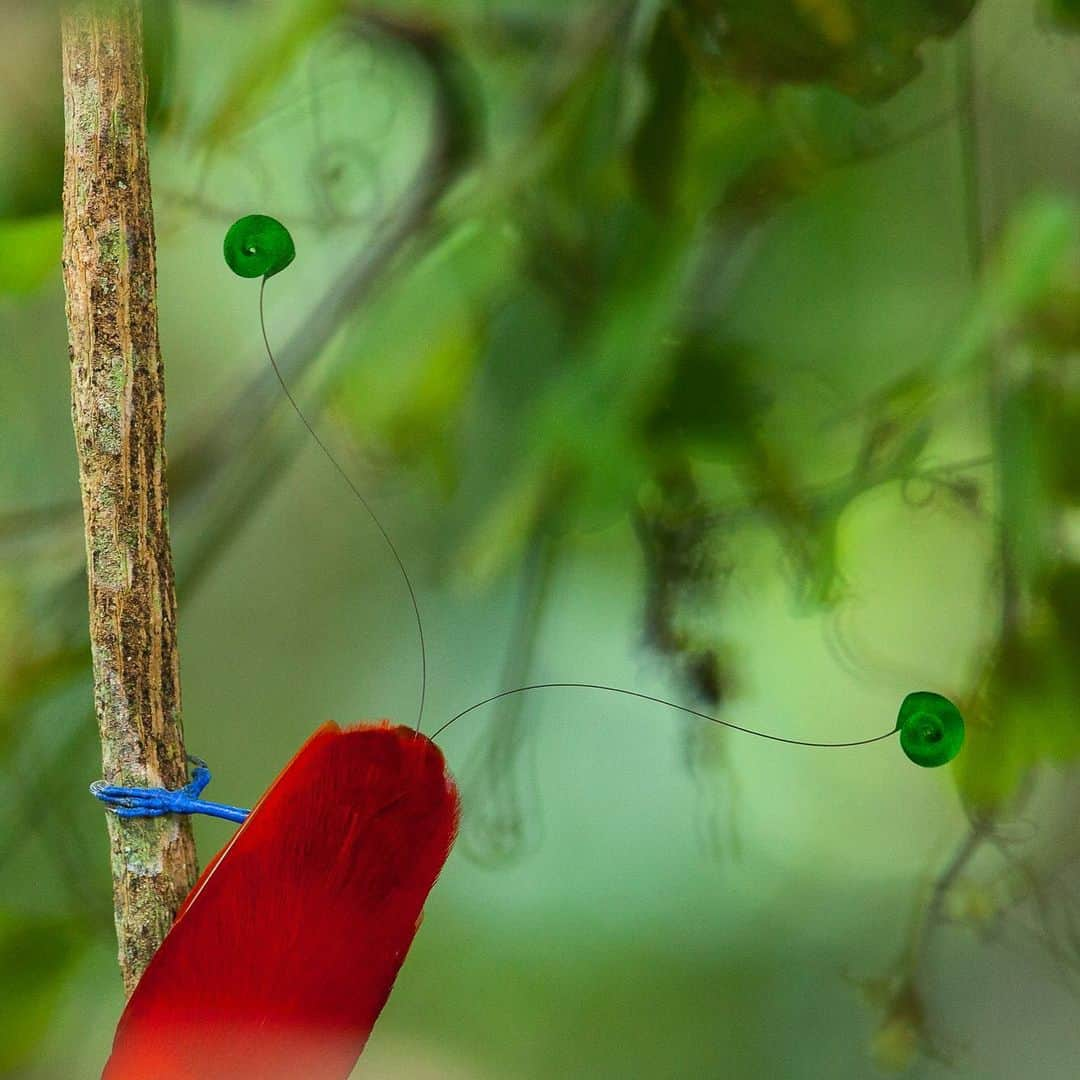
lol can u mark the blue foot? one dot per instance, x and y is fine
(134, 802)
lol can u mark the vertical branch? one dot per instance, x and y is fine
(118, 411)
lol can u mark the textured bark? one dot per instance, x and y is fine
(118, 410)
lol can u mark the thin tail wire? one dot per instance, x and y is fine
(363, 502)
(668, 704)
(518, 689)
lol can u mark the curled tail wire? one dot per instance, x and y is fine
(668, 704)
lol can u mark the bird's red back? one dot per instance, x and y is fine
(283, 956)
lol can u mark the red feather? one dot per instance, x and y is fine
(283, 956)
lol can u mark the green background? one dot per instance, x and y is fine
(832, 294)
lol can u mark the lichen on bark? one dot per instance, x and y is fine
(118, 411)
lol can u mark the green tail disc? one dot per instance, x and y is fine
(258, 246)
(931, 729)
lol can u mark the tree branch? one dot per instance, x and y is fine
(118, 411)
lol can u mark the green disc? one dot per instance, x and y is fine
(931, 729)
(258, 246)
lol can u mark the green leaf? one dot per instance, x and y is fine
(268, 59)
(417, 349)
(1024, 270)
(657, 150)
(1064, 13)
(159, 55)
(1036, 240)
(865, 48)
(501, 535)
(708, 402)
(1028, 717)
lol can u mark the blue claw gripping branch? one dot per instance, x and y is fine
(134, 802)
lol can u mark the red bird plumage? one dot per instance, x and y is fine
(283, 956)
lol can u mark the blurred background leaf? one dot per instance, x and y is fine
(32, 246)
(43, 952)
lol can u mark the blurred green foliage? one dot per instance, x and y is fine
(739, 338)
(867, 48)
(33, 246)
(40, 953)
